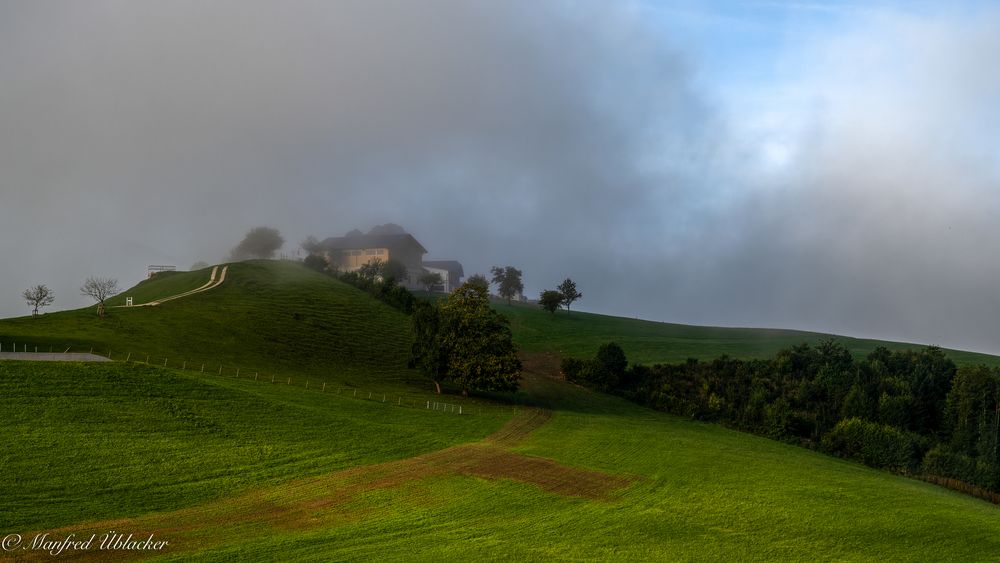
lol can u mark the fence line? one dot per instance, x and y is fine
(318, 385)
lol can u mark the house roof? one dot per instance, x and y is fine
(453, 266)
(371, 241)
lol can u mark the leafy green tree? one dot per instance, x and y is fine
(315, 262)
(479, 280)
(427, 353)
(431, 279)
(465, 342)
(568, 290)
(371, 270)
(612, 358)
(38, 297)
(260, 242)
(508, 281)
(550, 300)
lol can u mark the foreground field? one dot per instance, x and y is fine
(239, 468)
(597, 478)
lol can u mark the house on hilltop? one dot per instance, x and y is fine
(351, 252)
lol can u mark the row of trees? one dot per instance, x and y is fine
(459, 340)
(905, 410)
(99, 289)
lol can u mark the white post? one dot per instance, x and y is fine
(289, 380)
(255, 374)
(220, 369)
(185, 366)
(324, 387)
(164, 362)
(237, 373)
(307, 384)
(202, 368)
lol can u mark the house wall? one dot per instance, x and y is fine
(350, 260)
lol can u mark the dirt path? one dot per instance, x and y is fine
(337, 498)
(212, 283)
(52, 357)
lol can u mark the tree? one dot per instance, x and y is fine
(260, 242)
(311, 245)
(479, 280)
(466, 342)
(508, 281)
(38, 297)
(569, 292)
(550, 300)
(99, 289)
(315, 262)
(431, 279)
(394, 270)
(371, 270)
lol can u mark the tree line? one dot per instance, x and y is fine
(909, 411)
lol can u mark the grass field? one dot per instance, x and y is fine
(113, 440)
(579, 334)
(230, 468)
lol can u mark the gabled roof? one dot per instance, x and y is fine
(371, 241)
(453, 266)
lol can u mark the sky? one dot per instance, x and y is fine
(819, 165)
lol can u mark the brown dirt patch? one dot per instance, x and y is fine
(338, 497)
(541, 363)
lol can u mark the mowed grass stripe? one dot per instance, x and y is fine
(99, 440)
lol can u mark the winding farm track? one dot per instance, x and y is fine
(212, 283)
(333, 499)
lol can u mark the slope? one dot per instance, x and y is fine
(579, 334)
(269, 316)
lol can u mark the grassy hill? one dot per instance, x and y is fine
(579, 334)
(274, 317)
(232, 468)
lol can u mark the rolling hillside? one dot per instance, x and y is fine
(235, 468)
(579, 334)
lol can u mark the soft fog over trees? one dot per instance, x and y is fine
(260, 242)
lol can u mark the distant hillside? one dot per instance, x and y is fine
(578, 334)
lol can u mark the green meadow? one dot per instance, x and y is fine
(233, 468)
(579, 334)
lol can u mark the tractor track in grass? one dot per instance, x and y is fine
(339, 497)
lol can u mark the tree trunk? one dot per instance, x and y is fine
(100, 310)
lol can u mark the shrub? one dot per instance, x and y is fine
(876, 445)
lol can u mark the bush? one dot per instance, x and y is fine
(875, 445)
